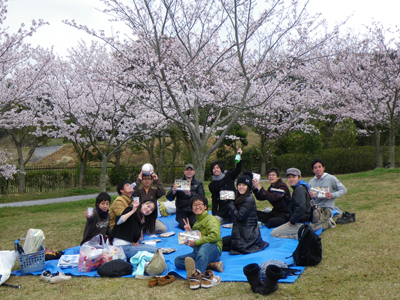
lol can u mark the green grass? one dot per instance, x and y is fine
(360, 260)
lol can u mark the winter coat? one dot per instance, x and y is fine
(182, 202)
(279, 202)
(246, 236)
(220, 208)
(300, 206)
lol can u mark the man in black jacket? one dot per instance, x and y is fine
(182, 203)
(299, 206)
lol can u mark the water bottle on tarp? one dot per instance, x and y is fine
(18, 247)
(237, 158)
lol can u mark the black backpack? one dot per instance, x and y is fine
(309, 250)
(115, 268)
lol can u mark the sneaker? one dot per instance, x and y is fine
(46, 275)
(59, 277)
(195, 280)
(331, 223)
(190, 267)
(209, 279)
(216, 266)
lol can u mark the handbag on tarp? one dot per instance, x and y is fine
(115, 268)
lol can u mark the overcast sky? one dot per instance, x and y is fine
(63, 36)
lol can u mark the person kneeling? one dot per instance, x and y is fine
(206, 250)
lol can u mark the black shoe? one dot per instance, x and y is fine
(346, 218)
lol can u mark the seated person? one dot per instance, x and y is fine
(125, 191)
(334, 189)
(136, 220)
(246, 236)
(299, 206)
(146, 192)
(183, 209)
(222, 180)
(99, 221)
(279, 200)
(206, 250)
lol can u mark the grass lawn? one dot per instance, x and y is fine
(360, 260)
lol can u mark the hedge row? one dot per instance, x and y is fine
(337, 160)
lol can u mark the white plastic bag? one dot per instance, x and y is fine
(33, 241)
(7, 261)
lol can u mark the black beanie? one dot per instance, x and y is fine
(246, 178)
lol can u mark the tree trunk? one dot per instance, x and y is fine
(21, 166)
(103, 174)
(391, 148)
(161, 158)
(263, 167)
(378, 148)
(83, 168)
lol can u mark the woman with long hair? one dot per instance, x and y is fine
(246, 236)
(136, 220)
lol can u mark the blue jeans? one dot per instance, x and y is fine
(202, 256)
(131, 250)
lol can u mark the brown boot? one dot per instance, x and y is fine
(216, 266)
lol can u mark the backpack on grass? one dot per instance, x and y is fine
(309, 250)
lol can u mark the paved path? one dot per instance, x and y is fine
(57, 200)
(53, 200)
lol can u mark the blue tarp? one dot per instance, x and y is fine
(280, 249)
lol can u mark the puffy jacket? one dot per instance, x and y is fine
(210, 229)
(182, 200)
(246, 236)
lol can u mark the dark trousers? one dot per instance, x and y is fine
(185, 215)
(272, 220)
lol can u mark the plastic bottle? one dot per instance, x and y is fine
(18, 247)
(237, 158)
(133, 184)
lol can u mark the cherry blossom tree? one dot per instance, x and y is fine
(21, 77)
(89, 105)
(202, 64)
(360, 80)
(6, 170)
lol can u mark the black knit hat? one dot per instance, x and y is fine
(246, 178)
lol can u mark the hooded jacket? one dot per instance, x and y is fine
(246, 236)
(300, 206)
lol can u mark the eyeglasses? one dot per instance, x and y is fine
(147, 179)
(198, 204)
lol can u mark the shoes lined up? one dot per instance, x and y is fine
(162, 280)
(58, 277)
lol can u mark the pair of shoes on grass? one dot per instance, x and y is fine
(162, 280)
(346, 218)
(197, 279)
(58, 277)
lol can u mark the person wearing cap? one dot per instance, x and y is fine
(144, 190)
(299, 206)
(246, 236)
(222, 180)
(334, 189)
(183, 209)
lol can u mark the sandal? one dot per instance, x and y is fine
(163, 280)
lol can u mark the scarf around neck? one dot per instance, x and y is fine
(219, 177)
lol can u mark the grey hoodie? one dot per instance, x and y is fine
(335, 187)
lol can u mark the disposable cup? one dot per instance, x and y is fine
(90, 211)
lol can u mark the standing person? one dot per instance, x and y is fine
(125, 191)
(146, 192)
(299, 206)
(206, 250)
(279, 200)
(135, 221)
(333, 189)
(99, 221)
(183, 209)
(246, 236)
(222, 180)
